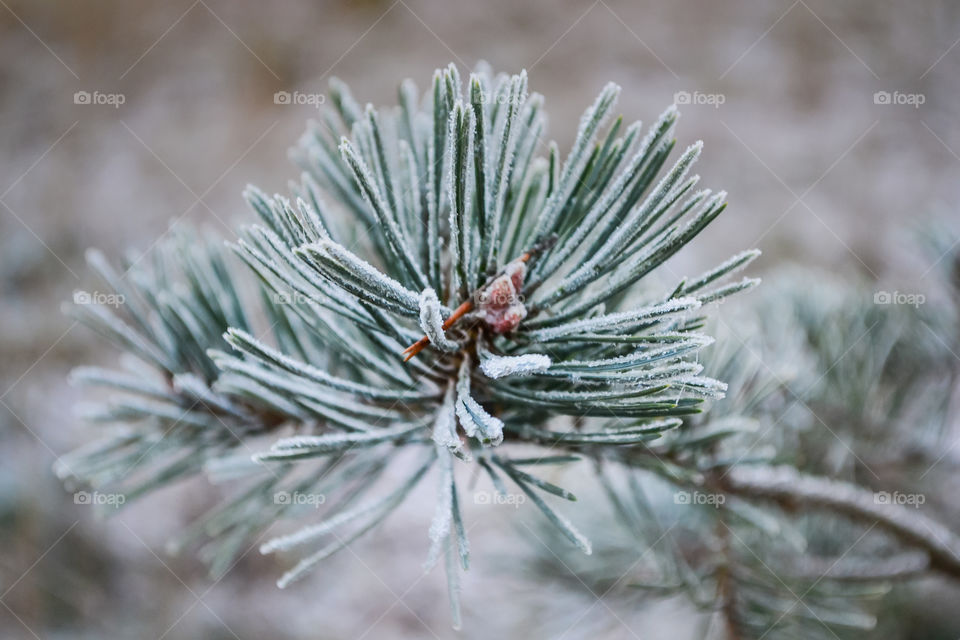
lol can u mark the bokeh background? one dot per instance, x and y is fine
(820, 171)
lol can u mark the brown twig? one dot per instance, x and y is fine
(467, 305)
(421, 344)
(790, 488)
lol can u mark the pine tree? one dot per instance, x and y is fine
(436, 294)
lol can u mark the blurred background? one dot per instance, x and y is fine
(831, 125)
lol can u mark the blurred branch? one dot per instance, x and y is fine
(792, 489)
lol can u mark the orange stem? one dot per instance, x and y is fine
(421, 344)
(458, 313)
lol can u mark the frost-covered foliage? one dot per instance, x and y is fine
(439, 284)
(796, 506)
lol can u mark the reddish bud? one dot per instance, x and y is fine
(500, 305)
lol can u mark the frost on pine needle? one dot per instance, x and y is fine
(501, 366)
(445, 425)
(474, 419)
(441, 282)
(432, 323)
(648, 316)
(443, 517)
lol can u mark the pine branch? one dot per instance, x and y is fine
(794, 490)
(525, 275)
